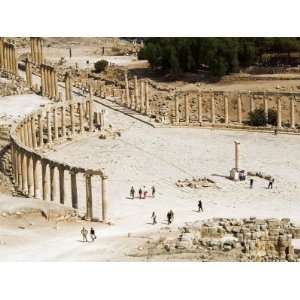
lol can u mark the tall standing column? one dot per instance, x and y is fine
(213, 114)
(239, 109)
(142, 98)
(20, 170)
(49, 129)
(63, 122)
(53, 181)
(55, 124)
(62, 192)
(72, 119)
(147, 108)
(74, 191)
(81, 128)
(28, 73)
(187, 109)
(104, 198)
(226, 110)
(33, 131)
(45, 179)
(252, 105)
(24, 173)
(41, 130)
(292, 104)
(30, 176)
(1, 53)
(55, 85)
(89, 197)
(127, 89)
(266, 107)
(200, 109)
(237, 155)
(136, 93)
(176, 110)
(279, 125)
(35, 177)
(91, 116)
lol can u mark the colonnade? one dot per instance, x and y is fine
(36, 45)
(8, 58)
(39, 177)
(182, 111)
(49, 82)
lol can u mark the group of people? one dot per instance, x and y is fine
(170, 217)
(270, 184)
(85, 232)
(142, 193)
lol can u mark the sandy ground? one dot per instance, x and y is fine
(144, 156)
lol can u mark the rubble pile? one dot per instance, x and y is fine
(196, 183)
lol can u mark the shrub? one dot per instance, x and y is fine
(257, 117)
(100, 65)
(272, 117)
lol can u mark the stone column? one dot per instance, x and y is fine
(24, 173)
(136, 93)
(239, 109)
(127, 89)
(41, 130)
(61, 175)
(33, 132)
(89, 197)
(187, 109)
(237, 155)
(142, 98)
(1, 52)
(20, 170)
(252, 105)
(36, 174)
(74, 191)
(226, 118)
(48, 82)
(43, 80)
(213, 114)
(28, 73)
(52, 80)
(147, 108)
(45, 179)
(63, 122)
(29, 132)
(52, 182)
(200, 109)
(104, 198)
(49, 131)
(177, 119)
(81, 128)
(55, 85)
(132, 102)
(91, 116)
(266, 107)
(30, 176)
(279, 125)
(72, 119)
(15, 62)
(292, 104)
(55, 124)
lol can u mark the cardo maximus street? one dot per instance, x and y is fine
(80, 144)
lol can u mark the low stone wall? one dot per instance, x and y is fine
(247, 239)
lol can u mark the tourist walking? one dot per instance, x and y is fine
(132, 192)
(140, 193)
(153, 191)
(270, 185)
(169, 217)
(200, 206)
(93, 234)
(251, 183)
(84, 233)
(172, 215)
(153, 218)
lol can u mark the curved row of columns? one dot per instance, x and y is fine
(37, 176)
(187, 109)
